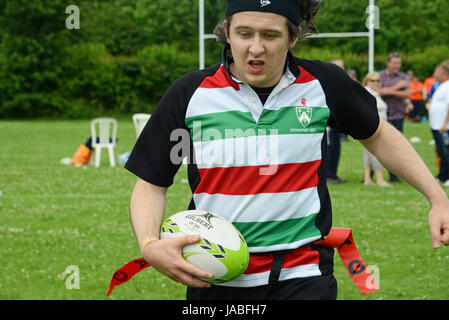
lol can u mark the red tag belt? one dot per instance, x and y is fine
(339, 238)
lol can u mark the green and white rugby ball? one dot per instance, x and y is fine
(222, 251)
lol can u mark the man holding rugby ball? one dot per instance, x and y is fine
(260, 95)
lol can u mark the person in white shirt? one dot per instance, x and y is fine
(370, 162)
(439, 120)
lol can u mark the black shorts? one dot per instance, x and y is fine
(311, 288)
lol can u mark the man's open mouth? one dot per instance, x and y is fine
(256, 66)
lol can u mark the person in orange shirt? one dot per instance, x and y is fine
(417, 97)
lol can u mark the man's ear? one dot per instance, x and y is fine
(296, 38)
(225, 28)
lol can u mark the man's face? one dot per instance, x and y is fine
(259, 42)
(394, 65)
(440, 75)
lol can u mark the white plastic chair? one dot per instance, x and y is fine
(105, 131)
(140, 120)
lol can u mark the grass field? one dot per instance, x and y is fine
(54, 216)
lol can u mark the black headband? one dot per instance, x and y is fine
(287, 8)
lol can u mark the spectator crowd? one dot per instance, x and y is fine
(401, 98)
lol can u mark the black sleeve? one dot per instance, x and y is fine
(150, 158)
(353, 108)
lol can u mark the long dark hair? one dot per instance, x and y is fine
(309, 9)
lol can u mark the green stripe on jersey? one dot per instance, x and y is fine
(271, 233)
(237, 124)
(221, 125)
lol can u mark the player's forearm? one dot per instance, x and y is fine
(147, 206)
(397, 155)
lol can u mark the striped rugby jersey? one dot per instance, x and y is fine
(262, 167)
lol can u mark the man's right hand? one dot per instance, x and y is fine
(165, 256)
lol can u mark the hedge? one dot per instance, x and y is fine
(88, 81)
(422, 63)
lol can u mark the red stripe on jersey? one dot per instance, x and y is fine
(220, 79)
(298, 257)
(249, 181)
(304, 76)
(301, 257)
(259, 263)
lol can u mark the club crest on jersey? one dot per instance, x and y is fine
(304, 115)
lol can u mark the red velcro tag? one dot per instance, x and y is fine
(341, 238)
(125, 273)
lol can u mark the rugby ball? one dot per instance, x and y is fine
(222, 250)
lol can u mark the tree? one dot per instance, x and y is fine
(32, 48)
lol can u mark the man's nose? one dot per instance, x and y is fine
(257, 47)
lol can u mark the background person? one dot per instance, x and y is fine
(353, 74)
(395, 91)
(428, 83)
(334, 144)
(371, 83)
(417, 96)
(439, 120)
(429, 96)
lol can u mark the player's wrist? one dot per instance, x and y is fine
(146, 241)
(438, 198)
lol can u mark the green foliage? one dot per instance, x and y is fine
(422, 63)
(113, 24)
(160, 66)
(412, 25)
(93, 73)
(120, 83)
(342, 16)
(127, 52)
(405, 25)
(169, 21)
(31, 50)
(33, 105)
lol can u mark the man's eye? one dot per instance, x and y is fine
(270, 35)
